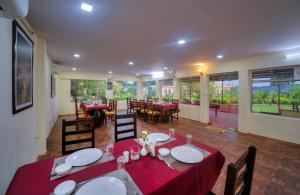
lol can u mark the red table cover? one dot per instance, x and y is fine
(93, 107)
(165, 108)
(151, 175)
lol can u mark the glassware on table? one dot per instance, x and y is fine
(172, 133)
(135, 152)
(189, 139)
(126, 156)
(121, 162)
(110, 149)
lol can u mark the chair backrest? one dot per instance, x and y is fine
(85, 126)
(156, 99)
(150, 105)
(76, 107)
(125, 127)
(104, 100)
(240, 173)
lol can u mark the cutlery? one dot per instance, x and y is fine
(162, 159)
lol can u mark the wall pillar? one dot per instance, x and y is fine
(244, 100)
(204, 99)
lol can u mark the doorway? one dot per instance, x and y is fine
(223, 100)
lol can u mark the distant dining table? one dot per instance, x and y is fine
(96, 110)
(150, 174)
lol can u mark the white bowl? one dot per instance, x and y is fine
(63, 169)
(164, 151)
(65, 188)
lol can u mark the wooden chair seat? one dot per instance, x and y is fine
(110, 113)
(154, 113)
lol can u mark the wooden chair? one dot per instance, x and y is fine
(153, 113)
(104, 100)
(86, 127)
(156, 99)
(79, 112)
(239, 174)
(128, 100)
(110, 114)
(174, 113)
(143, 109)
(125, 127)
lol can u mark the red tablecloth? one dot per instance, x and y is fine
(93, 107)
(150, 174)
(165, 108)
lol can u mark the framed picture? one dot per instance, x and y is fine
(109, 85)
(22, 69)
(53, 86)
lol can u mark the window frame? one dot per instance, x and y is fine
(134, 83)
(190, 80)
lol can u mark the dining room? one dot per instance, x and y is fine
(149, 97)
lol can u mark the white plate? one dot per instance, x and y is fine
(186, 154)
(164, 151)
(63, 169)
(65, 188)
(84, 157)
(159, 137)
(103, 185)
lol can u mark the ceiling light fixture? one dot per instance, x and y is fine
(181, 42)
(165, 68)
(110, 72)
(74, 69)
(130, 63)
(157, 75)
(137, 74)
(86, 7)
(76, 55)
(220, 56)
(293, 55)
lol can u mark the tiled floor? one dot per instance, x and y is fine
(277, 163)
(224, 119)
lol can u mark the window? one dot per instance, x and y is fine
(124, 89)
(190, 90)
(167, 90)
(223, 88)
(84, 89)
(149, 89)
(274, 91)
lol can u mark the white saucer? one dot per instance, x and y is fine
(63, 169)
(164, 151)
(65, 188)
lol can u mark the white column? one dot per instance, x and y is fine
(176, 90)
(158, 89)
(204, 99)
(140, 89)
(244, 100)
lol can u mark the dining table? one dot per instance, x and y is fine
(96, 110)
(150, 174)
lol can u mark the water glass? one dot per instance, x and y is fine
(110, 149)
(121, 162)
(135, 152)
(172, 133)
(189, 139)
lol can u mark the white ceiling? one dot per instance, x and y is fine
(146, 31)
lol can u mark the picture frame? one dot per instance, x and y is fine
(53, 86)
(22, 69)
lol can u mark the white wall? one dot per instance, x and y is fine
(64, 88)
(18, 132)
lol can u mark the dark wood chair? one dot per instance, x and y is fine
(125, 127)
(79, 112)
(174, 113)
(86, 128)
(110, 114)
(239, 174)
(153, 113)
(128, 101)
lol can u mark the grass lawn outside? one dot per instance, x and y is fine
(269, 108)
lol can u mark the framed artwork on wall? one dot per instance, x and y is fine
(22, 69)
(53, 86)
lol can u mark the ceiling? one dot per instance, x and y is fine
(146, 31)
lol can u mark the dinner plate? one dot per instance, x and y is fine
(84, 157)
(186, 154)
(159, 137)
(103, 185)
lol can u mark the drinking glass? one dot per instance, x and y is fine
(189, 139)
(120, 161)
(110, 149)
(172, 133)
(134, 152)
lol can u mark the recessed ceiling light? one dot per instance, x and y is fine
(130, 63)
(110, 72)
(76, 55)
(156, 75)
(86, 7)
(74, 69)
(181, 42)
(137, 74)
(199, 64)
(293, 55)
(166, 68)
(220, 56)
